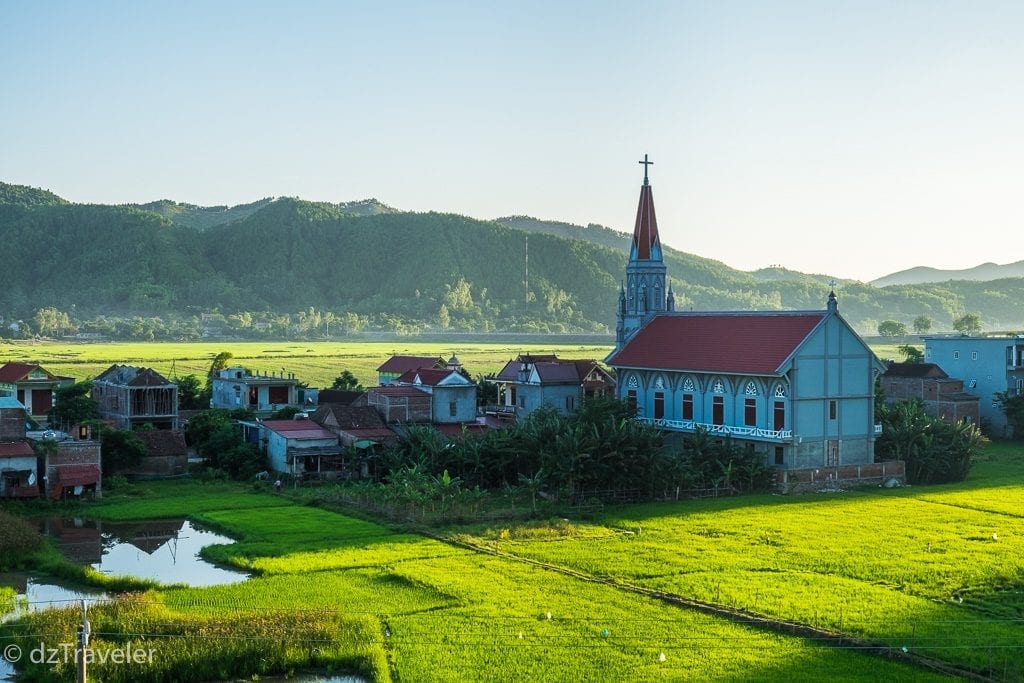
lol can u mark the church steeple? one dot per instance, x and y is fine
(645, 292)
(646, 243)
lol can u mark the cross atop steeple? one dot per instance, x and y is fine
(646, 164)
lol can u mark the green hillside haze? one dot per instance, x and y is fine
(432, 270)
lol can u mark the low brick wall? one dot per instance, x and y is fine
(842, 477)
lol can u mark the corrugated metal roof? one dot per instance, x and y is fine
(11, 403)
(298, 429)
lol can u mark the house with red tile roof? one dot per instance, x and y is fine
(396, 366)
(795, 386)
(33, 386)
(533, 381)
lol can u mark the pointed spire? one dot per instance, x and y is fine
(671, 305)
(646, 243)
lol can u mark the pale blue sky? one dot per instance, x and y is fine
(848, 138)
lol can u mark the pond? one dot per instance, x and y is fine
(165, 550)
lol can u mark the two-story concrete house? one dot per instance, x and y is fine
(988, 365)
(533, 381)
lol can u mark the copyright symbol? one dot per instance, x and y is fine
(12, 653)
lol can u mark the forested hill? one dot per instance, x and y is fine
(394, 270)
(203, 217)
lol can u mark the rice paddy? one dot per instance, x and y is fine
(315, 363)
(346, 594)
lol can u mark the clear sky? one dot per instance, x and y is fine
(847, 138)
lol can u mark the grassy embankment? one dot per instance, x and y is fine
(939, 570)
(332, 591)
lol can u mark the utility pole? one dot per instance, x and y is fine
(83, 644)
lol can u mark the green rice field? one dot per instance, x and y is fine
(338, 593)
(938, 570)
(315, 363)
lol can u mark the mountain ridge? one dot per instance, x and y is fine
(422, 269)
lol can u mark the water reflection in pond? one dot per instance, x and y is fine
(163, 550)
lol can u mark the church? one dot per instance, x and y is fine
(796, 386)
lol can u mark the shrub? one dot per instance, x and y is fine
(17, 540)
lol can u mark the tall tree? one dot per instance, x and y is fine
(922, 324)
(346, 381)
(73, 405)
(968, 323)
(891, 328)
(911, 353)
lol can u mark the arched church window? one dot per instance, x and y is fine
(688, 385)
(632, 383)
(659, 384)
(780, 391)
(719, 388)
(751, 389)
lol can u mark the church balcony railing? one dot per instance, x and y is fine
(725, 430)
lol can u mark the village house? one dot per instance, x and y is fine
(129, 397)
(396, 366)
(74, 468)
(236, 388)
(19, 476)
(988, 365)
(298, 447)
(32, 385)
(795, 386)
(400, 403)
(533, 381)
(941, 395)
(355, 426)
(431, 395)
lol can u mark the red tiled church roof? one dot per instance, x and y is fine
(757, 343)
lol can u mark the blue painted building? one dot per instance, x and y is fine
(796, 386)
(536, 381)
(988, 365)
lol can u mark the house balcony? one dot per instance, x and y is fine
(690, 426)
(501, 410)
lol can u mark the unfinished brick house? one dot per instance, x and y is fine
(943, 396)
(130, 396)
